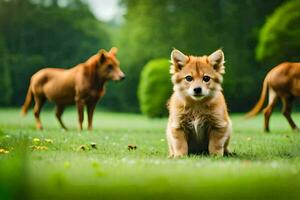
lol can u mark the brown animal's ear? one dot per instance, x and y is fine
(178, 60)
(102, 54)
(113, 51)
(216, 59)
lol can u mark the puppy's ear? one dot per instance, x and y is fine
(216, 59)
(102, 54)
(113, 51)
(178, 60)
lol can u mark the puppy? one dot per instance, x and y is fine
(198, 118)
(82, 85)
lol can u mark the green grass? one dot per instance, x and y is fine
(266, 166)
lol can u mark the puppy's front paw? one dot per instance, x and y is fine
(229, 153)
(181, 155)
(217, 153)
(170, 156)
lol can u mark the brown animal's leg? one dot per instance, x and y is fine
(80, 109)
(287, 103)
(90, 109)
(39, 102)
(171, 150)
(227, 152)
(217, 141)
(59, 111)
(269, 109)
(179, 141)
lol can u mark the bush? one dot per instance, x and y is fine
(280, 36)
(155, 88)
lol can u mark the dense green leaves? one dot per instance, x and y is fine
(5, 78)
(153, 28)
(155, 88)
(59, 33)
(280, 36)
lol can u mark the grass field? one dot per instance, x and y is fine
(266, 166)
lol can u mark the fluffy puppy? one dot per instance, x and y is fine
(198, 119)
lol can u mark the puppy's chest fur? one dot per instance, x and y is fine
(197, 123)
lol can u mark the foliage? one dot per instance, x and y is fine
(60, 33)
(155, 88)
(152, 28)
(5, 78)
(266, 166)
(279, 38)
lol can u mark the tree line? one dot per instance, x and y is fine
(35, 34)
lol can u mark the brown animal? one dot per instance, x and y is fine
(198, 117)
(83, 84)
(282, 82)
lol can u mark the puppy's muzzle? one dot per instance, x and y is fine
(197, 91)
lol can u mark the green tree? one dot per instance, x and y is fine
(153, 28)
(155, 88)
(279, 37)
(5, 77)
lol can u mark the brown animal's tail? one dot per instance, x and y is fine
(257, 108)
(27, 102)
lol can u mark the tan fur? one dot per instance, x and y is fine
(282, 82)
(83, 84)
(198, 124)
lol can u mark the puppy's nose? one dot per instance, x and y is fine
(197, 90)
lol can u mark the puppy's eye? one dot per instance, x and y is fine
(206, 78)
(189, 78)
(109, 68)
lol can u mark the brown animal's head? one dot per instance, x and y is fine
(197, 77)
(109, 65)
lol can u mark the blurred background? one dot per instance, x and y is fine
(255, 36)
